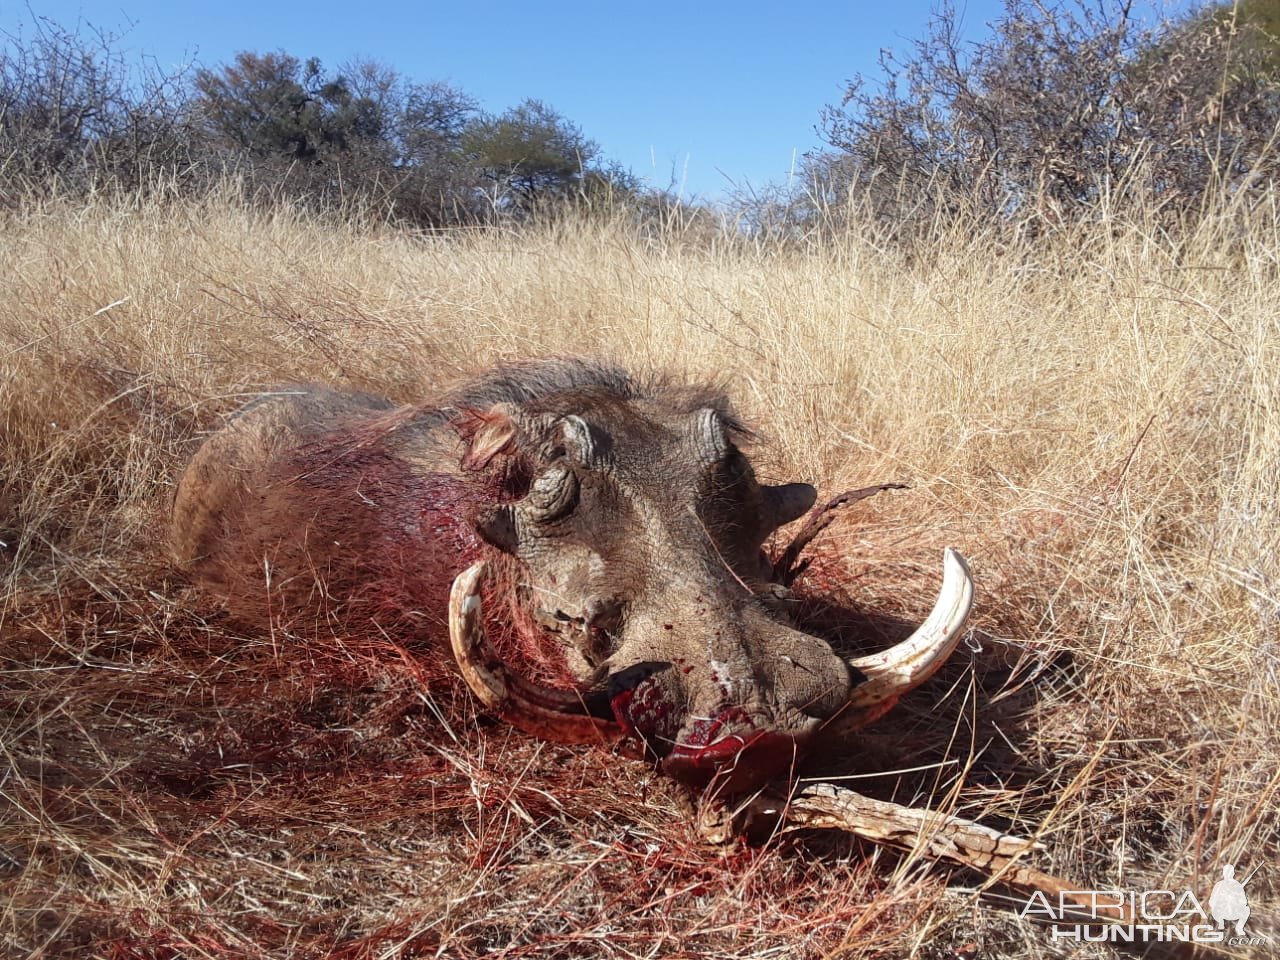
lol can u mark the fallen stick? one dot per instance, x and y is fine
(929, 833)
(936, 836)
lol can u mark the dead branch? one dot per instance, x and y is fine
(927, 833)
(789, 566)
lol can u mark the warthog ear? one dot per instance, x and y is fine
(786, 502)
(486, 433)
(710, 435)
(583, 442)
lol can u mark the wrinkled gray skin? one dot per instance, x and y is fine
(634, 520)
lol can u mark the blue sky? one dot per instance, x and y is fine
(703, 96)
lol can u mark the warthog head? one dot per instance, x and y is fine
(623, 523)
(639, 541)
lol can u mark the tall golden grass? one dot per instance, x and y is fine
(1092, 414)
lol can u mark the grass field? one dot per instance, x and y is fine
(1092, 416)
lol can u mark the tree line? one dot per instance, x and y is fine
(1061, 107)
(76, 116)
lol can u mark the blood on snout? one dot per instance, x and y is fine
(725, 751)
(735, 763)
(730, 762)
(648, 712)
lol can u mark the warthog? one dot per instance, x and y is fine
(616, 520)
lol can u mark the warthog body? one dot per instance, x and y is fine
(621, 521)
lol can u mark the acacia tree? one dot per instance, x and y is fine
(273, 104)
(364, 133)
(529, 154)
(415, 164)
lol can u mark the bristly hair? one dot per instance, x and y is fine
(526, 382)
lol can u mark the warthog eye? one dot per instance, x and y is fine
(554, 493)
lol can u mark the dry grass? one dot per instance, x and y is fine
(1093, 417)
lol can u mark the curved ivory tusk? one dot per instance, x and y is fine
(549, 714)
(891, 673)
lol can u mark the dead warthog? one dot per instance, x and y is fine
(615, 520)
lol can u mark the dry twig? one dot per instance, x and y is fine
(789, 565)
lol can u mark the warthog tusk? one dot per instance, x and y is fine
(891, 673)
(542, 712)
